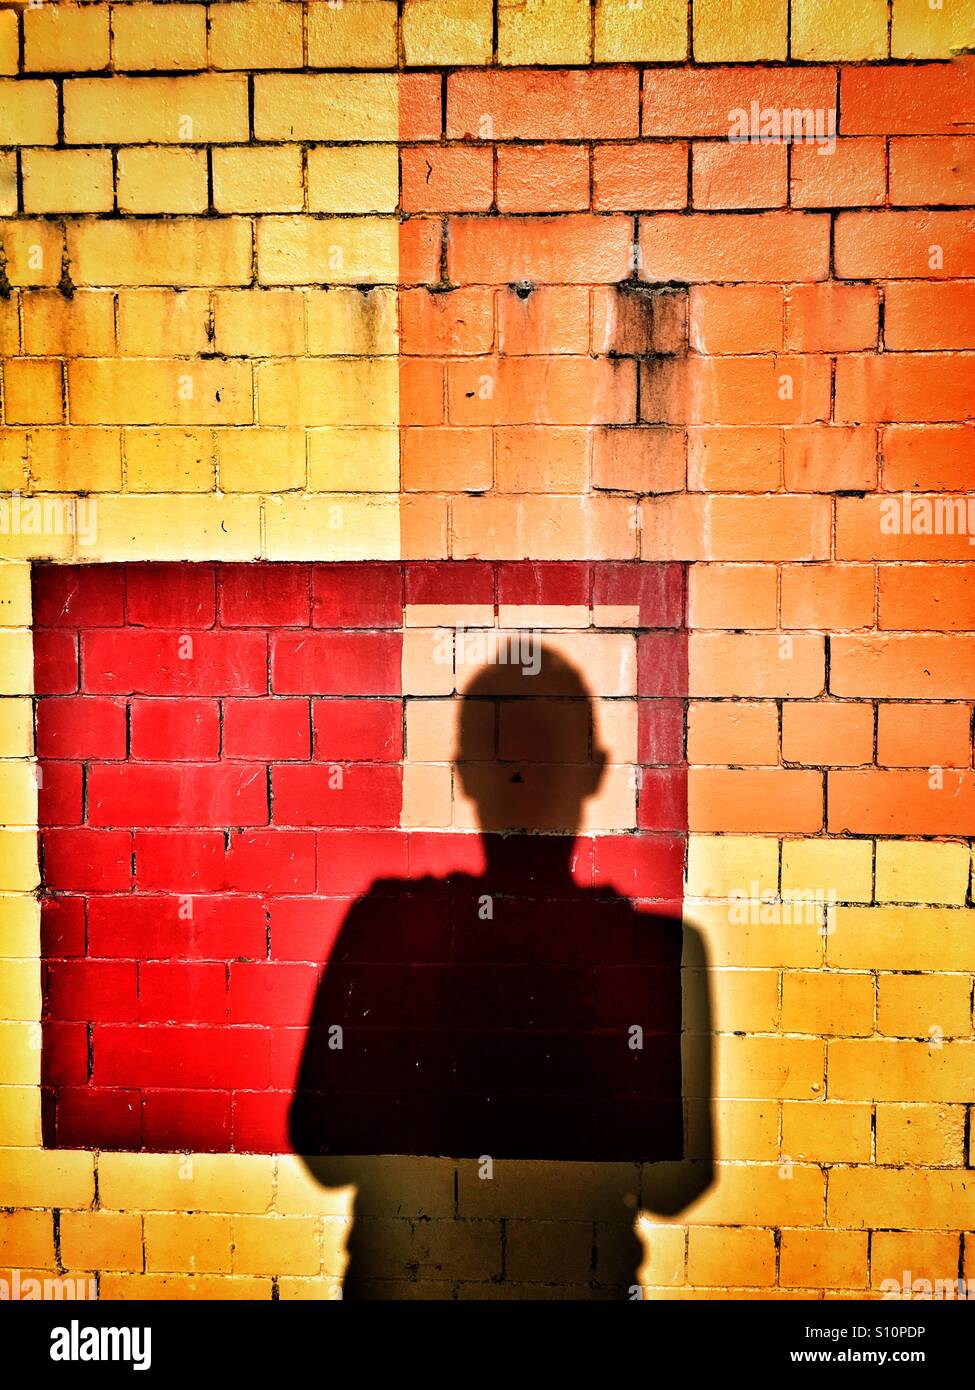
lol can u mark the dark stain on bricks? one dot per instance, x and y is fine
(651, 321)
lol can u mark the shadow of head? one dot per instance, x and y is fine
(528, 752)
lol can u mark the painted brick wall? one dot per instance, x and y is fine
(366, 282)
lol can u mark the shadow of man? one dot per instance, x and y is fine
(515, 1016)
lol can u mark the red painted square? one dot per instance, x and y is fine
(227, 876)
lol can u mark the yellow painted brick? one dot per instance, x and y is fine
(65, 38)
(14, 455)
(827, 1002)
(20, 991)
(937, 1199)
(345, 322)
(353, 178)
(353, 460)
(188, 253)
(356, 34)
(20, 1117)
(68, 180)
(544, 32)
(163, 323)
(32, 250)
(46, 1178)
(664, 1254)
(99, 1240)
(27, 1239)
(18, 795)
(742, 1129)
(447, 32)
(902, 938)
(255, 35)
(627, 33)
(301, 1193)
(132, 392)
(889, 1069)
(328, 106)
(148, 37)
(15, 605)
(922, 872)
(185, 1182)
(716, 1255)
(919, 31)
(19, 925)
(150, 527)
(47, 528)
(82, 326)
(75, 458)
(741, 1000)
(758, 1194)
(277, 1245)
(33, 392)
(9, 42)
(20, 1057)
(182, 1288)
(818, 1259)
(16, 678)
(760, 1068)
(10, 324)
(337, 527)
(340, 251)
(922, 1254)
(834, 29)
(16, 724)
(208, 109)
(826, 1132)
(195, 1244)
(739, 31)
(28, 112)
(305, 1290)
(259, 179)
(328, 391)
(169, 460)
(18, 853)
(921, 1135)
(261, 460)
(754, 943)
(8, 176)
(721, 864)
(259, 323)
(163, 180)
(840, 867)
(920, 1006)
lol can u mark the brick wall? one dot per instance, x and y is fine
(314, 283)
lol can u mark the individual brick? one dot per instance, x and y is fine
(146, 39)
(162, 180)
(639, 176)
(542, 178)
(360, 178)
(67, 181)
(627, 33)
(327, 107)
(257, 35)
(358, 34)
(829, 30)
(544, 32)
(743, 32)
(205, 109)
(778, 246)
(28, 112)
(854, 174)
(447, 32)
(918, 31)
(599, 104)
(66, 38)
